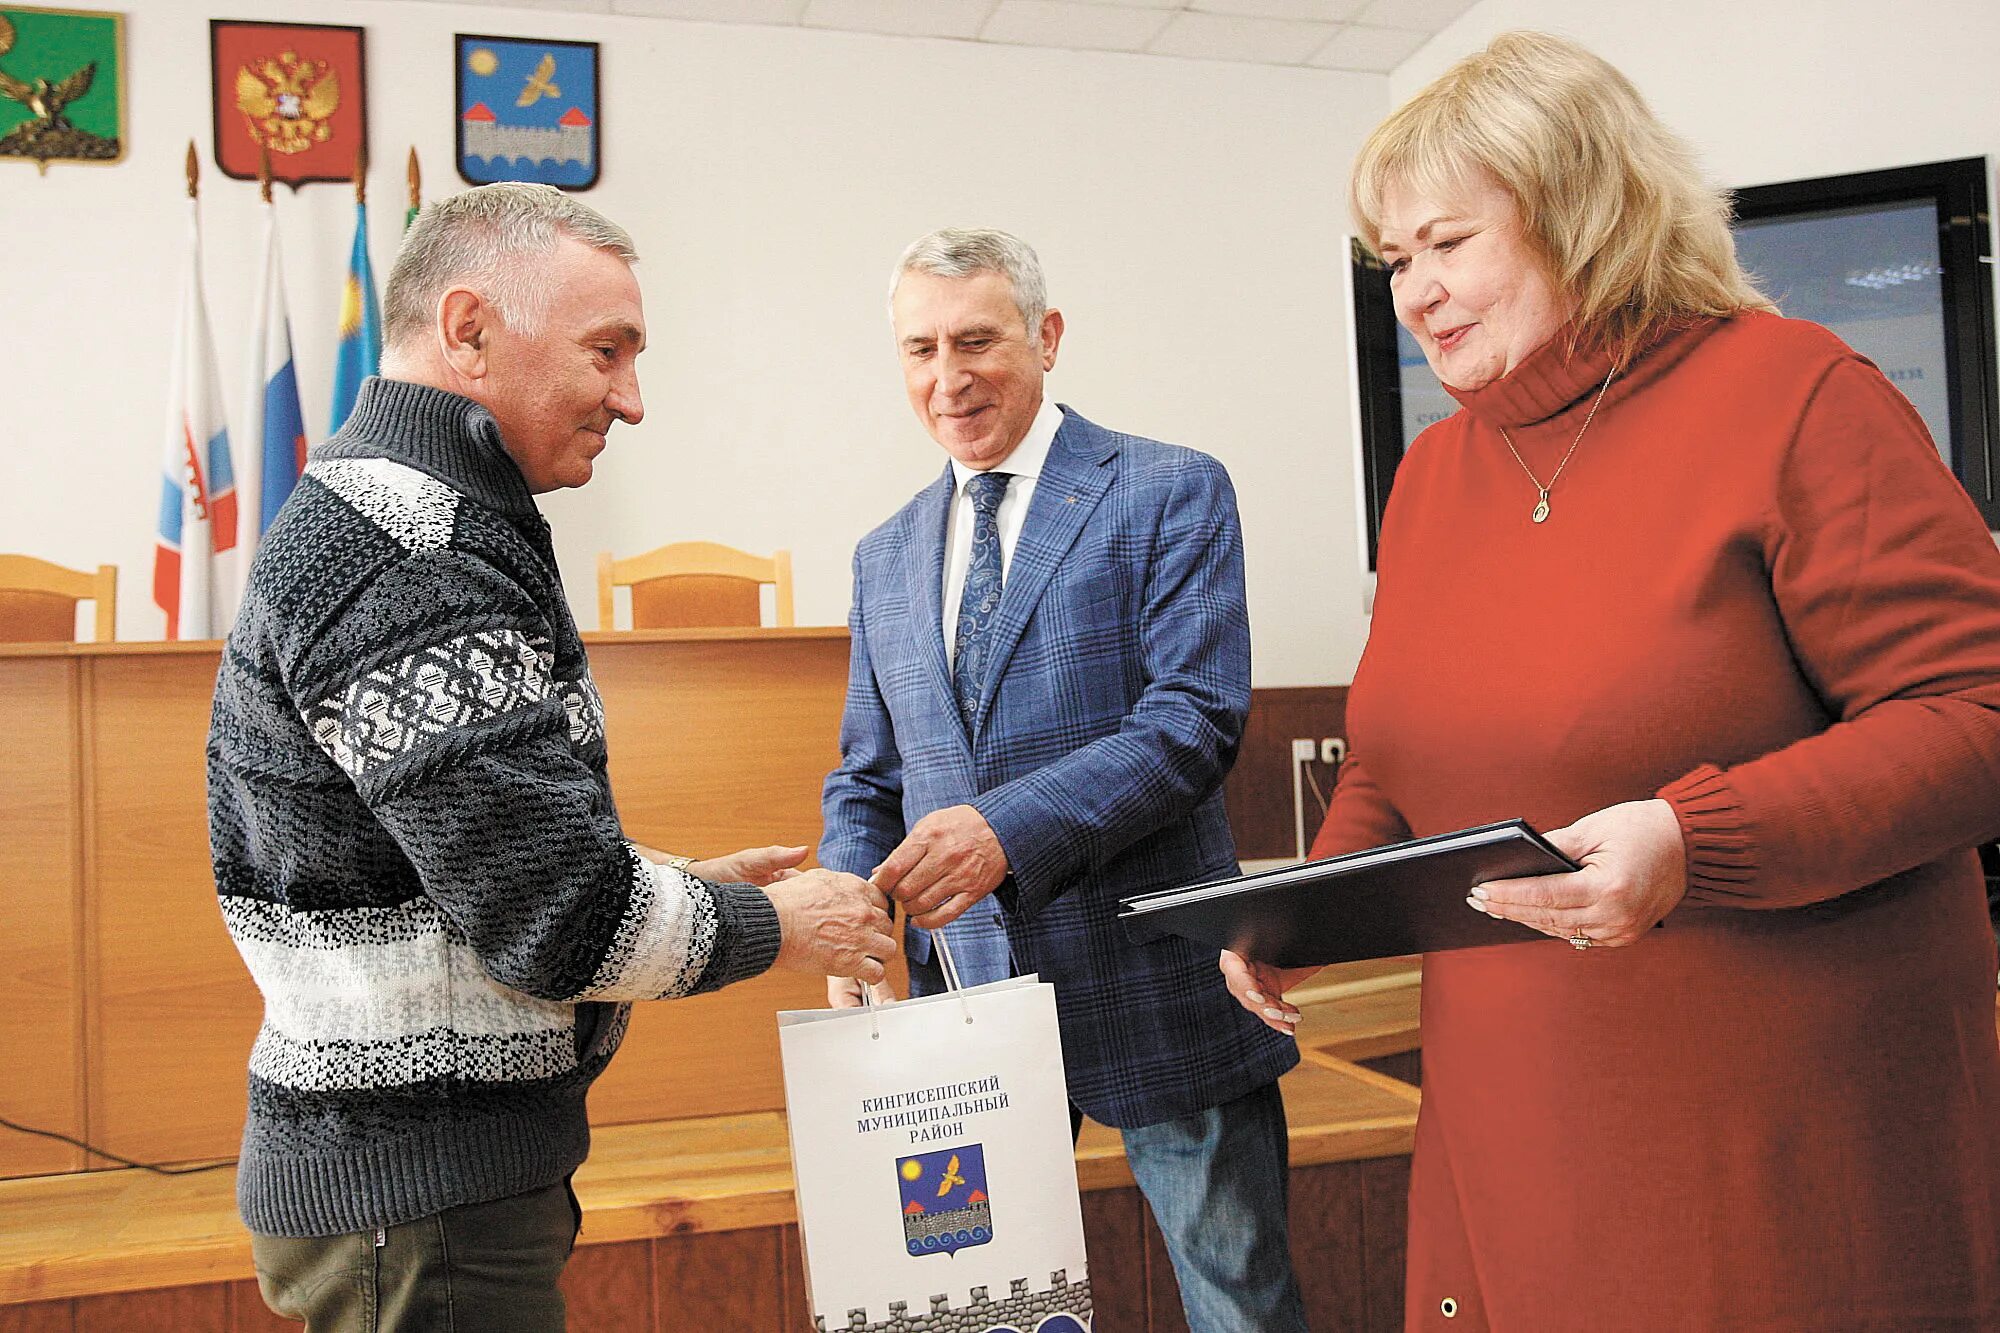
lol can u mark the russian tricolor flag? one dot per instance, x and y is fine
(273, 426)
(194, 565)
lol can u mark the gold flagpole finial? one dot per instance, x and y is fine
(416, 177)
(193, 172)
(361, 174)
(264, 172)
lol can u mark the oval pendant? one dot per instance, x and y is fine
(1541, 514)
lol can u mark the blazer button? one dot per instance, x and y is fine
(1448, 1308)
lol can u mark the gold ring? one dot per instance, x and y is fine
(1579, 940)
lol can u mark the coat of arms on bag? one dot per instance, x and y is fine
(945, 1207)
(527, 111)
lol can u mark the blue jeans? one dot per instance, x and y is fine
(1216, 1181)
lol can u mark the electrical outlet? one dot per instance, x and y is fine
(1333, 750)
(1304, 750)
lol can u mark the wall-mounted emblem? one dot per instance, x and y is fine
(527, 111)
(295, 90)
(62, 85)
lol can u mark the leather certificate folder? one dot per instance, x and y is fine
(1405, 898)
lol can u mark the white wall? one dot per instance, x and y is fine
(1775, 90)
(1772, 90)
(1187, 212)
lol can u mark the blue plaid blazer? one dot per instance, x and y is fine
(1120, 682)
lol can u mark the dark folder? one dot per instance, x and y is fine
(1405, 898)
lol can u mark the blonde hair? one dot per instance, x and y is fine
(1610, 199)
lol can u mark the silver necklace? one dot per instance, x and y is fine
(1541, 513)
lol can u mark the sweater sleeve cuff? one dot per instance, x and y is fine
(1716, 834)
(746, 936)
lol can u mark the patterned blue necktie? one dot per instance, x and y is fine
(980, 602)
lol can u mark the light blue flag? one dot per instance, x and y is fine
(360, 351)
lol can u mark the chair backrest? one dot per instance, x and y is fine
(692, 585)
(38, 600)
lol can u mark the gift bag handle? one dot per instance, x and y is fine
(946, 965)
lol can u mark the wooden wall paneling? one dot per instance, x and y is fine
(167, 1310)
(249, 1314)
(1163, 1292)
(1385, 1210)
(1258, 791)
(41, 1317)
(1329, 1253)
(796, 1316)
(715, 1280)
(716, 745)
(41, 877)
(609, 1288)
(176, 1009)
(722, 744)
(1404, 1066)
(1114, 1233)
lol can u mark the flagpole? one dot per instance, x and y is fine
(194, 559)
(358, 350)
(250, 486)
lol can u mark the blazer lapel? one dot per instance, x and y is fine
(923, 541)
(1074, 478)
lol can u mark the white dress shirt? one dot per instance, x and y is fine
(1025, 463)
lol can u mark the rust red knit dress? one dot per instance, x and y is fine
(1760, 596)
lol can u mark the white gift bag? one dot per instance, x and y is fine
(936, 1178)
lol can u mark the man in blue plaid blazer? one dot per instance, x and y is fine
(1051, 670)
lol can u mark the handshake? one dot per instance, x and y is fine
(829, 923)
(838, 924)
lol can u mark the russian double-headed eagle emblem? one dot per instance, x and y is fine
(288, 100)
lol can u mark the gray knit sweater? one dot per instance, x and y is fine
(415, 843)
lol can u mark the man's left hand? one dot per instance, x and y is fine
(1634, 873)
(949, 861)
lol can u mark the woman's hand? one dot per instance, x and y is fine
(1634, 873)
(753, 865)
(1261, 987)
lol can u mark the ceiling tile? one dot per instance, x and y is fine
(1372, 49)
(907, 18)
(573, 6)
(1227, 37)
(783, 12)
(1413, 15)
(1083, 27)
(1310, 11)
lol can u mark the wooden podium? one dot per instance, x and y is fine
(129, 1016)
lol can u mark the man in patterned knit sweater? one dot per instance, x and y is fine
(413, 833)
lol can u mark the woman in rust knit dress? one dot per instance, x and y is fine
(1686, 583)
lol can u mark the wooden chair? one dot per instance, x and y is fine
(690, 585)
(38, 600)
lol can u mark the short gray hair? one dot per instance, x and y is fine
(480, 239)
(960, 252)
